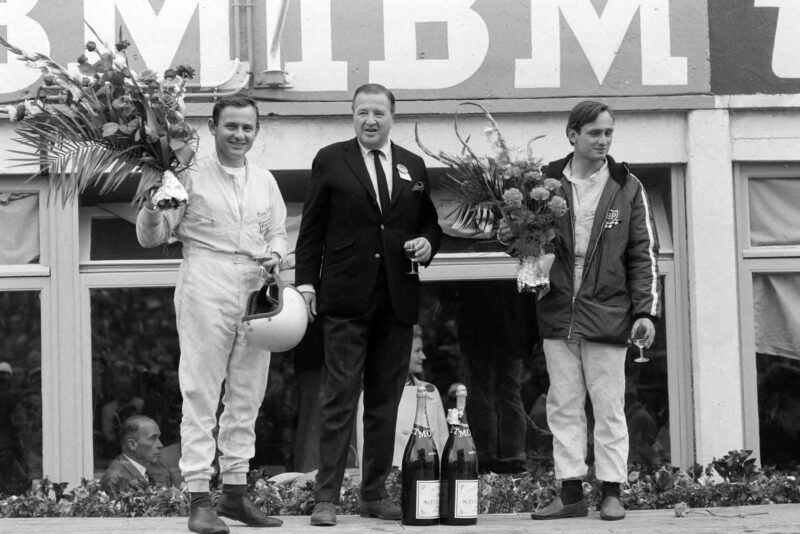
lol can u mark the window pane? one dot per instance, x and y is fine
(134, 366)
(19, 219)
(774, 210)
(483, 334)
(778, 410)
(776, 309)
(20, 390)
(115, 239)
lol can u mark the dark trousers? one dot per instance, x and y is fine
(494, 407)
(374, 350)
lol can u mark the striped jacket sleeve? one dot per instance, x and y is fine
(642, 257)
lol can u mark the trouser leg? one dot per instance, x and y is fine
(385, 372)
(604, 368)
(511, 418)
(345, 351)
(245, 385)
(481, 412)
(204, 302)
(566, 400)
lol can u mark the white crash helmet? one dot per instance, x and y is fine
(276, 317)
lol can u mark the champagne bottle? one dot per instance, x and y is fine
(459, 483)
(420, 475)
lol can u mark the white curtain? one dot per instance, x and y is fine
(19, 228)
(776, 305)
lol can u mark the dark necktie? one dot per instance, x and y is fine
(383, 189)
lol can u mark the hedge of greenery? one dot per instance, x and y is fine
(732, 480)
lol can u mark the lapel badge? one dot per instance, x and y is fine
(403, 172)
(612, 219)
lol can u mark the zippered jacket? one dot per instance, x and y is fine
(620, 274)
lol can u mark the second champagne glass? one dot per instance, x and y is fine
(411, 253)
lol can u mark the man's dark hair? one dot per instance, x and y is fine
(130, 427)
(235, 101)
(375, 89)
(585, 112)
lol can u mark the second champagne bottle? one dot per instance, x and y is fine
(420, 471)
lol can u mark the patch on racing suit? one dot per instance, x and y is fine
(612, 219)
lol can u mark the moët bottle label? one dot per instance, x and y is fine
(466, 499)
(428, 499)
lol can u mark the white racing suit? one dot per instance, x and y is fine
(227, 228)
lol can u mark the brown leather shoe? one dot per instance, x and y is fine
(239, 508)
(559, 510)
(612, 509)
(324, 514)
(204, 520)
(380, 508)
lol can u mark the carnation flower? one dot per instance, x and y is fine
(512, 171)
(551, 184)
(513, 197)
(540, 193)
(558, 206)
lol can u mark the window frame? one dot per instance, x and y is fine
(39, 186)
(754, 260)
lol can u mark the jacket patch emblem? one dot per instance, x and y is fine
(418, 187)
(612, 219)
(263, 226)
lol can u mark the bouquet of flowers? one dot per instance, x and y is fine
(506, 186)
(105, 124)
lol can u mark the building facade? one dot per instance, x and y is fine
(706, 96)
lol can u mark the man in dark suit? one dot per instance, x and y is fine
(368, 203)
(141, 448)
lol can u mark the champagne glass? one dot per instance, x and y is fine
(640, 341)
(411, 254)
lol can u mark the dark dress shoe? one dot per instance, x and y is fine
(204, 520)
(380, 508)
(612, 509)
(559, 510)
(241, 509)
(324, 514)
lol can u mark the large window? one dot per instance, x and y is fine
(768, 206)
(477, 330)
(20, 390)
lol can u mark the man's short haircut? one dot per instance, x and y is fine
(130, 426)
(235, 101)
(374, 89)
(585, 112)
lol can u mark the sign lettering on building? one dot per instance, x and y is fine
(443, 49)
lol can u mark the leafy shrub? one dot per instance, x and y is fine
(732, 480)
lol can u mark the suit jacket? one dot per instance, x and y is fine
(344, 237)
(122, 468)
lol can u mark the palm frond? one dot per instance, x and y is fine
(70, 149)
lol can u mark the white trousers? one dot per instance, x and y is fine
(576, 367)
(210, 300)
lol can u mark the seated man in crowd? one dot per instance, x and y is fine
(140, 457)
